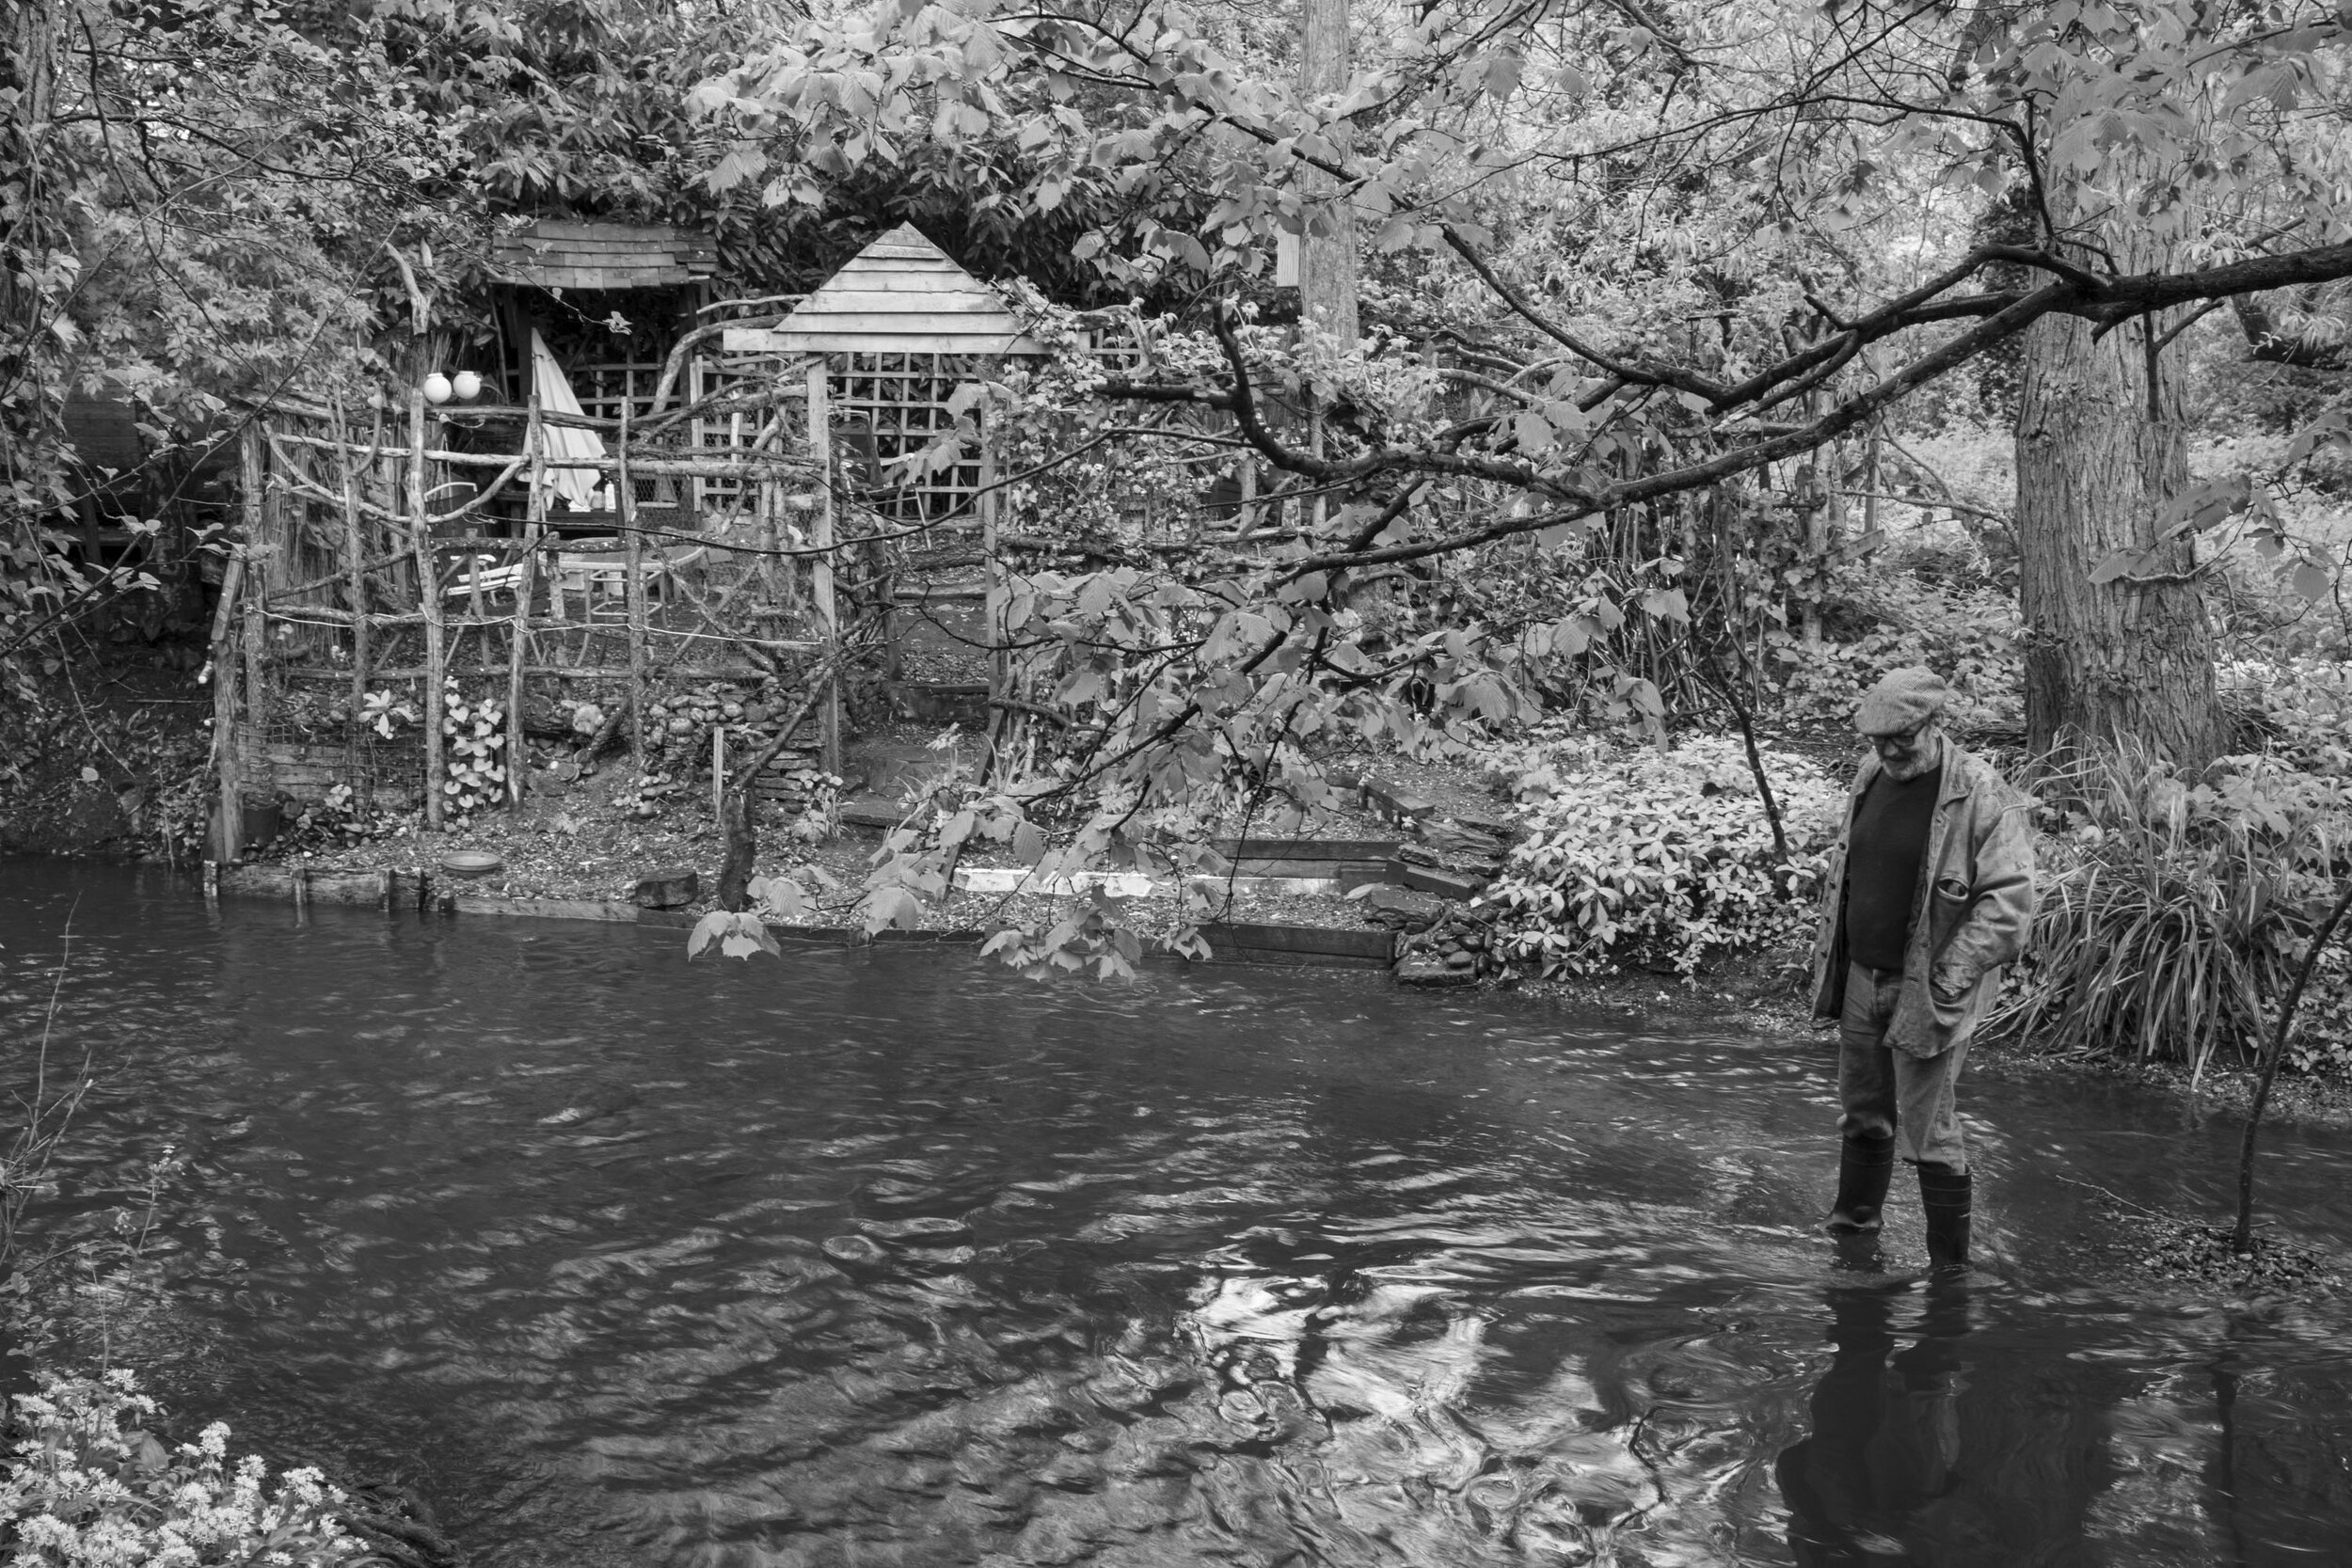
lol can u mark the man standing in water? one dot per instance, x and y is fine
(1930, 893)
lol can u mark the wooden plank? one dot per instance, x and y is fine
(1242, 942)
(864, 273)
(611, 910)
(1347, 874)
(891, 301)
(351, 887)
(591, 228)
(1306, 849)
(775, 340)
(926, 321)
(267, 881)
(586, 278)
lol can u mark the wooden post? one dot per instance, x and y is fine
(231, 835)
(769, 539)
(1312, 521)
(256, 678)
(1873, 482)
(821, 572)
(354, 557)
(1811, 494)
(516, 763)
(1000, 663)
(429, 597)
(625, 494)
(535, 508)
(718, 774)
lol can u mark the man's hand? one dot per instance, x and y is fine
(1947, 984)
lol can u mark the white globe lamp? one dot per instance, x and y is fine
(436, 387)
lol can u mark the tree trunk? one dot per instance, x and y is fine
(2099, 453)
(1327, 260)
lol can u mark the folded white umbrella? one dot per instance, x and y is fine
(575, 485)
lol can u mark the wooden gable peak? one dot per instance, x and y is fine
(901, 294)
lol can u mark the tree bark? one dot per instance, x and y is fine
(1327, 261)
(2100, 450)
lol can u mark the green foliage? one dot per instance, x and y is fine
(739, 933)
(1670, 850)
(2300, 707)
(475, 735)
(1971, 637)
(90, 1486)
(2170, 913)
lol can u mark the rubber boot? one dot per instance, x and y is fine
(1948, 1196)
(1865, 1166)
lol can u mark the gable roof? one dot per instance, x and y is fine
(577, 253)
(901, 294)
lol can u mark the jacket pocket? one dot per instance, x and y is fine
(1947, 901)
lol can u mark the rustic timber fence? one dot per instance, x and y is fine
(378, 552)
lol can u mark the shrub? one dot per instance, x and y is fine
(2299, 709)
(1971, 637)
(82, 1491)
(1673, 848)
(2171, 914)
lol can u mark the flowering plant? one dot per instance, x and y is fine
(82, 1491)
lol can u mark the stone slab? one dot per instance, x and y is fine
(1456, 886)
(1396, 804)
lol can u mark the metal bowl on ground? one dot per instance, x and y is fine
(470, 863)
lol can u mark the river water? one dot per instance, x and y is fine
(885, 1257)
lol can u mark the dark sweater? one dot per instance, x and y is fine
(1889, 840)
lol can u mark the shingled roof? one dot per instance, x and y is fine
(901, 294)
(575, 253)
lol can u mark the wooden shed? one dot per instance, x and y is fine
(569, 276)
(579, 253)
(900, 327)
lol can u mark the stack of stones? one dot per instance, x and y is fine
(678, 744)
(1475, 842)
(1456, 951)
(791, 784)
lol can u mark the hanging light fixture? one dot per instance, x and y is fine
(468, 386)
(436, 387)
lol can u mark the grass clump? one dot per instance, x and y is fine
(2171, 913)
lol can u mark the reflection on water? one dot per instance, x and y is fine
(888, 1256)
(1884, 1448)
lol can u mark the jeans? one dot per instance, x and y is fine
(1886, 1093)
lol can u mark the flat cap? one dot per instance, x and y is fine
(1902, 699)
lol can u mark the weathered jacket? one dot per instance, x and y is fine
(1970, 918)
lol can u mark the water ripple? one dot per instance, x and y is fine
(886, 1256)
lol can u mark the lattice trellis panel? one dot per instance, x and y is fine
(898, 401)
(734, 431)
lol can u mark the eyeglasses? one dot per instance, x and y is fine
(1905, 738)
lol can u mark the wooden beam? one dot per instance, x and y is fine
(625, 495)
(517, 755)
(821, 569)
(429, 596)
(232, 834)
(355, 563)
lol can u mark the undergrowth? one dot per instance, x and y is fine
(2171, 913)
(1671, 849)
